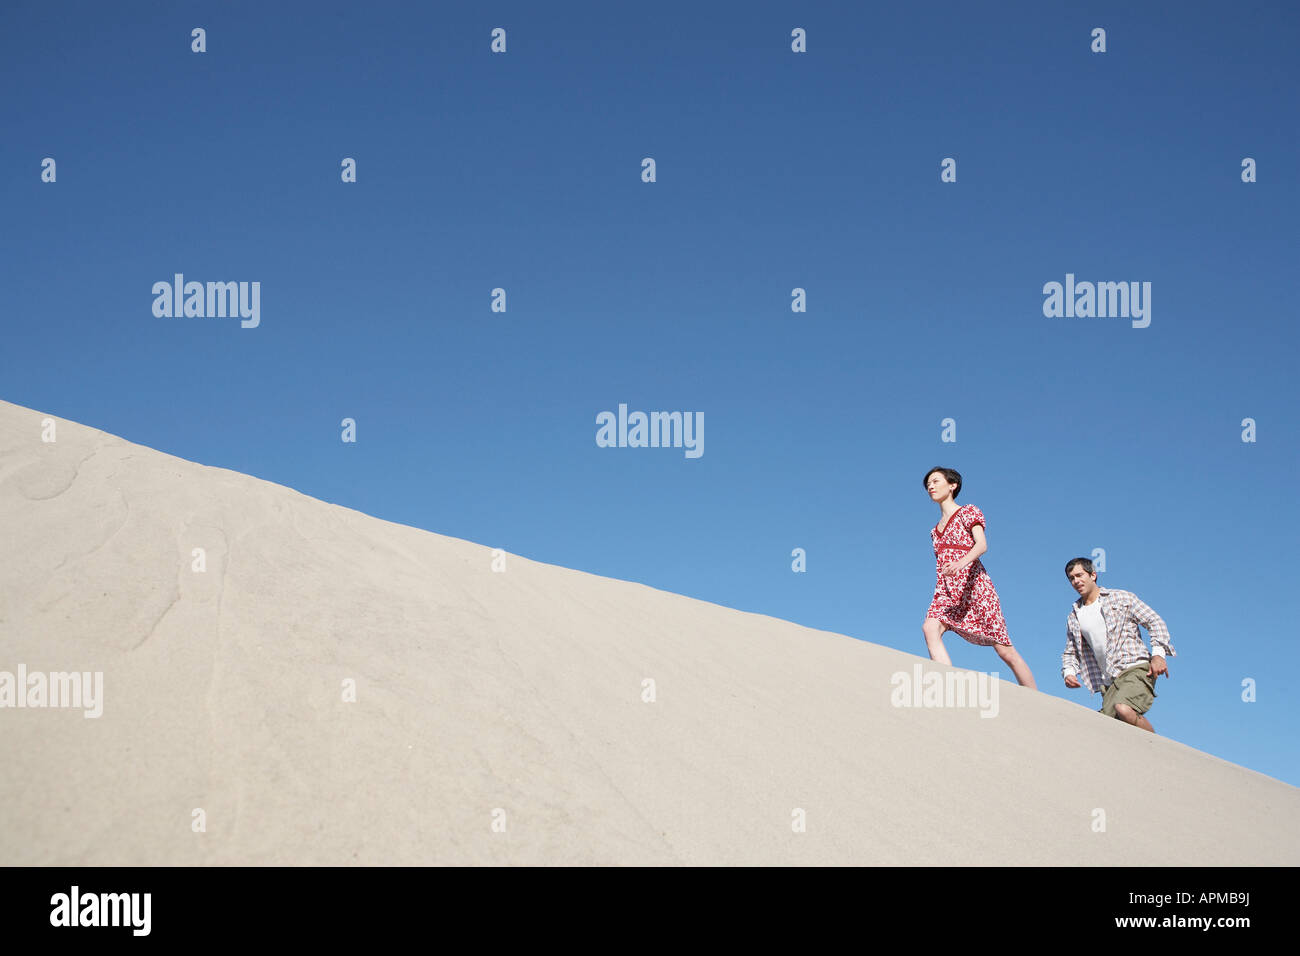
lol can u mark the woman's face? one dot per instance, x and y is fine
(938, 487)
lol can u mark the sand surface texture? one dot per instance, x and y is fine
(515, 698)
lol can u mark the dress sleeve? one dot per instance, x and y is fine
(973, 517)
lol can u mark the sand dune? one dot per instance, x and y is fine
(515, 697)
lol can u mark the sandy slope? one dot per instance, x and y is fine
(519, 690)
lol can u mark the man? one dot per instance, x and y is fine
(1104, 647)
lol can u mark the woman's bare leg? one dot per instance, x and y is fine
(933, 630)
(1017, 664)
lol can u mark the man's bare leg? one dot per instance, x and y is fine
(1130, 716)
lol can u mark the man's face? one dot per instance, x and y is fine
(1081, 580)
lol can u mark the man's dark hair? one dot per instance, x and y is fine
(952, 476)
(1087, 566)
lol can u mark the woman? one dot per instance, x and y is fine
(964, 598)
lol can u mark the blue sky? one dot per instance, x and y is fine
(775, 170)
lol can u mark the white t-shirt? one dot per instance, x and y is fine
(1093, 626)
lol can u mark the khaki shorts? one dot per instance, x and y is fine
(1132, 687)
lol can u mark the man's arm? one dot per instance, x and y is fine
(1155, 625)
(1070, 659)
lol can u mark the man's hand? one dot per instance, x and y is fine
(1071, 682)
(1157, 666)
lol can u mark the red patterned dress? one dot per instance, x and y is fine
(965, 602)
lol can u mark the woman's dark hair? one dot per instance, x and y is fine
(1087, 566)
(952, 476)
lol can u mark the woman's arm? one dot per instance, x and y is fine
(981, 547)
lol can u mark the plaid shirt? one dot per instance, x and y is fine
(1123, 611)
